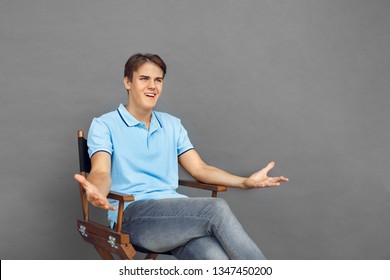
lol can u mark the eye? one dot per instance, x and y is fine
(159, 80)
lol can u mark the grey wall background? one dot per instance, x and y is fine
(305, 83)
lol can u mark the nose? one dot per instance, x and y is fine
(151, 84)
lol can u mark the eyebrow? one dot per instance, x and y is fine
(144, 76)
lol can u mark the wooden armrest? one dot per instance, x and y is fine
(120, 196)
(198, 185)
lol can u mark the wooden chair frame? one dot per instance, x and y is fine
(109, 242)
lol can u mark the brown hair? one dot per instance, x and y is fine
(136, 60)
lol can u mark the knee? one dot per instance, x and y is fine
(204, 248)
(212, 253)
(220, 207)
(220, 204)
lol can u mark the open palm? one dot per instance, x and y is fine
(261, 179)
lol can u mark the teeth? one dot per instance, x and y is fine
(150, 94)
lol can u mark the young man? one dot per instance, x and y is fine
(136, 150)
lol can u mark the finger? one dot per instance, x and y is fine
(110, 207)
(277, 179)
(281, 179)
(104, 205)
(273, 183)
(266, 184)
(92, 196)
(99, 203)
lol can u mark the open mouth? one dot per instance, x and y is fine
(150, 94)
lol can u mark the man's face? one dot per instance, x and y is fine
(145, 87)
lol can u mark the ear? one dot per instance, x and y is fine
(127, 83)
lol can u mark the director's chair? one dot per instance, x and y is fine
(110, 242)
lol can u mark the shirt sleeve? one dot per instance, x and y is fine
(99, 138)
(183, 144)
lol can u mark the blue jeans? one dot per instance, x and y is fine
(190, 228)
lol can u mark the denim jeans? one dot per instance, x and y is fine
(190, 228)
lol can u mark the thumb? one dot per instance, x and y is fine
(270, 166)
(88, 187)
(81, 179)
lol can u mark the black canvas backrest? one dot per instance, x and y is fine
(84, 160)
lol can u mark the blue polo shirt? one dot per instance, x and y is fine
(144, 162)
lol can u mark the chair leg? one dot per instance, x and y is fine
(104, 254)
(151, 256)
(126, 252)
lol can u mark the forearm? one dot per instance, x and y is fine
(102, 181)
(213, 175)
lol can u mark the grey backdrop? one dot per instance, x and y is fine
(305, 83)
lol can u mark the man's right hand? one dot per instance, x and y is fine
(93, 194)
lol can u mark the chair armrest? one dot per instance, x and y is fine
(198, 185)
(120, 196)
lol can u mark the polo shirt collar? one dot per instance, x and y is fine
(154, 123)
(129, 119)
